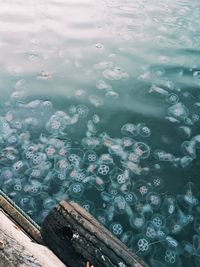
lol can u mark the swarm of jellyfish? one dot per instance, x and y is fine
(117, 179)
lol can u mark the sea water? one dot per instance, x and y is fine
(100, 104)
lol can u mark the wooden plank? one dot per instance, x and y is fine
(72, 233)
(18, 250)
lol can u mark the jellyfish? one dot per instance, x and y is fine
(143, 130)
(103, 170)
(197, 224)
(127, 142)
(127, 238)
(61, 165)
(107, 197)
(157, 182)
(158, 91)
(158, 221)
(5, 129)
(90, 156)
(141, 245)
(161, 155)
(187, 249)
(130, 198)
(172, 99)
(189, 148)
(119, 204)
(178, 111)
(38, 158)
(27, 203)
(75, 156)
(142, 150)
(142, 188)
(49, 203)
(89, 206)
(20, 167)
(91, 143)
(137, 221)
(189, 197)
(106, 159)
(116, 228)
(50, 151)
(196, 245)
(97, 182)
(12, 140)
(169, 206)
(171, 243)
(150, 231)
(129, 129)
(154, 200)
(34, 188)
(100, 215)
(185, 131)
(118, 176)
(76, 190)
(174, 224)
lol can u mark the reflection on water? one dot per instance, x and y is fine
(102, 99)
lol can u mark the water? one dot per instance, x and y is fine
(127, 77)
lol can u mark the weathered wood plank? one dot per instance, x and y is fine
(72, 233)
(18, 250)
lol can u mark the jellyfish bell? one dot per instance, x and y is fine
(137, 221)
(178, 111)
(196, 245)
(90, 157)
(197, 224)
(158, 221)
(119, 204)
(169, 206)
(154, 200)
(20, 167)
(150, 231)
(161, 155)
(129, 129)
(89, 206)
(116, 228)
(141, 245)
(174, 224)
(141, 149)
(142, 188)
(75, 156)
(76, 190)
(50, 151)
(189, 148)
(143, 130)
(187, 249)
(189, 197)
(157, 182)
(127, 238)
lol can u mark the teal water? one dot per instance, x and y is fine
(135, 66)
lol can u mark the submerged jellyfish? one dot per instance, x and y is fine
(179, 111)
(189, 148)
(154, 200)
(158, 221)
(143, 130)
(116, 228)
(174, 224)
(137, 221)
(119, 204)
(89, 206)
(189, 197)
(141, 149)
(127, 238)
(141, 245)
(169, 206)
(76, 190)
(90, 156)
(129, 129)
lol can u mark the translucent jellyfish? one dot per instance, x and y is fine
(106, 159)
(89, 206)
(82, 111)
(169, 206)
(129, 129)
(107, 197)
(144, 131)
(142, 150)
(150, 231)
(119, 176)
(27, 203)
(158, 221)
(116, 228)
(100, 215)
(103, 65)
(161, 155)
(187, 249)
(115, 74)
(103, 169)
(185, 131)
(127, 238)
(154, 200)
(119, 204)
(127, 142)
(76, 190)
(46, 105)
(61, 165)
(189, 197)
(34, 188)
(174, 224)
(38, 158)
(171, 244)
(91, 142)
(137, 221)
(130, 198)
(6, 174)
(5, 129)
(112, 94)
(172, 99)
(49, 203)
(56, 124)
(186, 162)
(189, 148)
(178, 111)
(101, 85)
(75, 156)
(158, 91)
(20, 167)
(142, 188)
(172, 258)
(141, 245)
(196, 245)
(196, 139)
(162, 258)
(97, 182)
(50, 151)
(96, 101)
(157, 182)
(12, 140)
